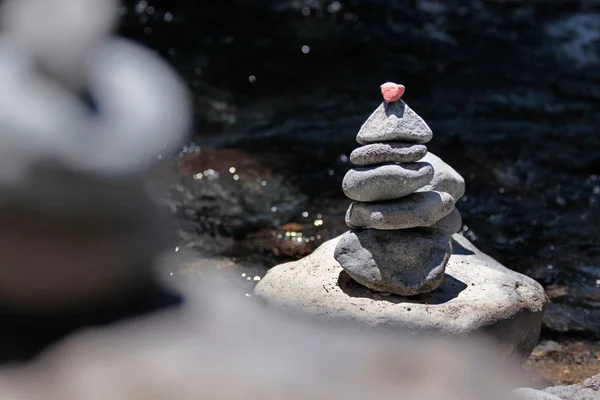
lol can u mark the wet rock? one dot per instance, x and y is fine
(445, 178)
(394, 121)
(404, 262)
(386, 182)
(478, 294)
(414, 210)
(384, 153)
(451, 223)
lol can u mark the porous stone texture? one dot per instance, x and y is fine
(588, 390)
(532, 394)
(383, 153)
(451, 223)
(445, 178)
(406, 262)
(478, 295)
(386, 182)
(414, 210)
(394, 121)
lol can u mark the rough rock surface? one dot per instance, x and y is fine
(406, 262)
(478, 295)
(394, 121)
(445, 178)
(451, 223)
(414, 210)
(588, 390)
(532, 394)
(383, 153)
(386, 182)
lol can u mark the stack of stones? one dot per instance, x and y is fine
(403, 212)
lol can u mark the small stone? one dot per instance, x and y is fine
(383, 153)
(392, 91)
(445, 178)
(451, 223)
(386, 182)
(394, 121)
(404, 262)
(414, 210)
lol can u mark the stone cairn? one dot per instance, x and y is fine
(403, 212)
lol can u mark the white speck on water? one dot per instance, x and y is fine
(232, 170)
(305, 49)
(263, 183)
(176, 249)
(596, 189)
(243, 275)
(501, 190)
(273, 209)
(550, 266)
(236, 177)
(248, 295)
(159, 157)
(171, 274)
(334, 7)
(168, 17)
(257, 278)
(318, 237)
(248, 278)
(306, 11)
(330, 172)
(149, 10)
(343, 158)
(252, 78)
(141, 6)
(305, 214)
(198, 176)
(318, 222)
(319, 216)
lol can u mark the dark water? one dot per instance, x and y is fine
(511, 90)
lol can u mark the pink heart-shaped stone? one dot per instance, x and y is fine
(392, 91)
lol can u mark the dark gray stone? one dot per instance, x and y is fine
(478, 296)
(386, 182)
(445, 178)
(451, 223)
(384, 153)
(404, 262)
(394, 121)
(414, 210)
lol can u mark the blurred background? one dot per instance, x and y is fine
(511, 90)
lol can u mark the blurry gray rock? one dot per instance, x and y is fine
(451, 223)
(445, 178)
(406, 262)
(386, 182)
(394, 121)
(414, 210)
(382, 153)
(588, 390)
(532, 394)
(478, 295)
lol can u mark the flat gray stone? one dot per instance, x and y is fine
(445, 178)
(451, 223)
(405, 262)
(532, 394)
(386, 182)
(588, 390)
(394, 121)
(414, 210)
(478, 295)
(384, 153)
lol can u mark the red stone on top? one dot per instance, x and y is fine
(392, 91)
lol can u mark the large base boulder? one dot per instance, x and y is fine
(478, 295)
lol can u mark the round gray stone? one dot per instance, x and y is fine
(451, 223)
(445, 178)
(405, 262)
(394, 121)
(414, 210)
(384, 153)
(386, 182)
(478, 295)
(532, 394)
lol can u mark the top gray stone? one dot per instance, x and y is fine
(394, 121)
